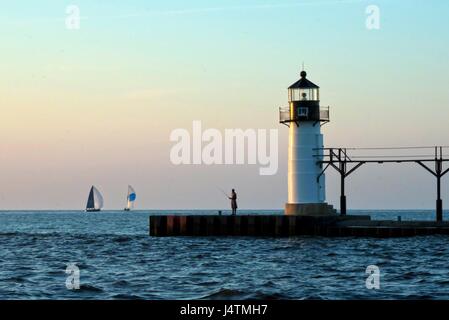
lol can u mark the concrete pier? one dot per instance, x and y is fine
(286, 226)
(309, 209)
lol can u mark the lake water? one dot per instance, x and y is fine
(118, 260)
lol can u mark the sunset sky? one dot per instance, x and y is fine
(96, 106)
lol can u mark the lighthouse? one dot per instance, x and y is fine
(305, 117)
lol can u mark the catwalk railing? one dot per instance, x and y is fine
(321, 115)
(347, 160)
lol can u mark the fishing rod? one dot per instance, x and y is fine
(223, 192)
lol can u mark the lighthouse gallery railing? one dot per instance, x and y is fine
(285, 115)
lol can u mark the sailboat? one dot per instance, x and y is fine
(130, 198)
(95, 201)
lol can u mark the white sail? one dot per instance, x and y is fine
(98, 199)
(131, 197)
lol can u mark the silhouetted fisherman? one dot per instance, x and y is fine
(233, 199)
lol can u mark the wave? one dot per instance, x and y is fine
(225, 294)
(233, 294)
(82, 236)
(121, 283)
(10, 234)
(268, 296)
(121, 239)
(16, 279)
(90, 288)
(127, 297)
(122, 296)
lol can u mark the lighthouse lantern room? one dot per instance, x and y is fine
(305, 117)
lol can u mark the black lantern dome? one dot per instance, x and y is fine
(303, 89)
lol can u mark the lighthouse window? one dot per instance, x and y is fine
(303, 94)
(303, 112)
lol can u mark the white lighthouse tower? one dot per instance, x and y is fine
(304, 117)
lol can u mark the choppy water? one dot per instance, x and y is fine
(118, 260)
